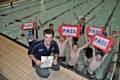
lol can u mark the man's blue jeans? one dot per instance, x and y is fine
(44, 72)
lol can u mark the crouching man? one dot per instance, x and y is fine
(44, 48)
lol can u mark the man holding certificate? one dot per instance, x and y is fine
(44, 54)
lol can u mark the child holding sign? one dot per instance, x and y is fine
(51, 26)
(83, 22)
(96, 62)
(74, 52)
(62, 43)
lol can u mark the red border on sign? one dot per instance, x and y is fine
(33, 27)
(93, 26)
(111, 42)
(69, 25)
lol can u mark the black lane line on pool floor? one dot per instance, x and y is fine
(111, 14)
(93, 8)
(63, 13)
(25, 17)
(14, 4)
(72, 9)
(26, 7)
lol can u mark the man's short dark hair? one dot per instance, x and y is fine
(48, 31)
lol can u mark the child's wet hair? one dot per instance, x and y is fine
(75, 39)
(88, 52)
(48, 31)
(76, 44)
(100, 52)
(51, 24)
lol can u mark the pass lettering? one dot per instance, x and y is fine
(101, 42)
(92, 30)
(69, 30)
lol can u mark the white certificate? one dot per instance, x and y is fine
(47, 61)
